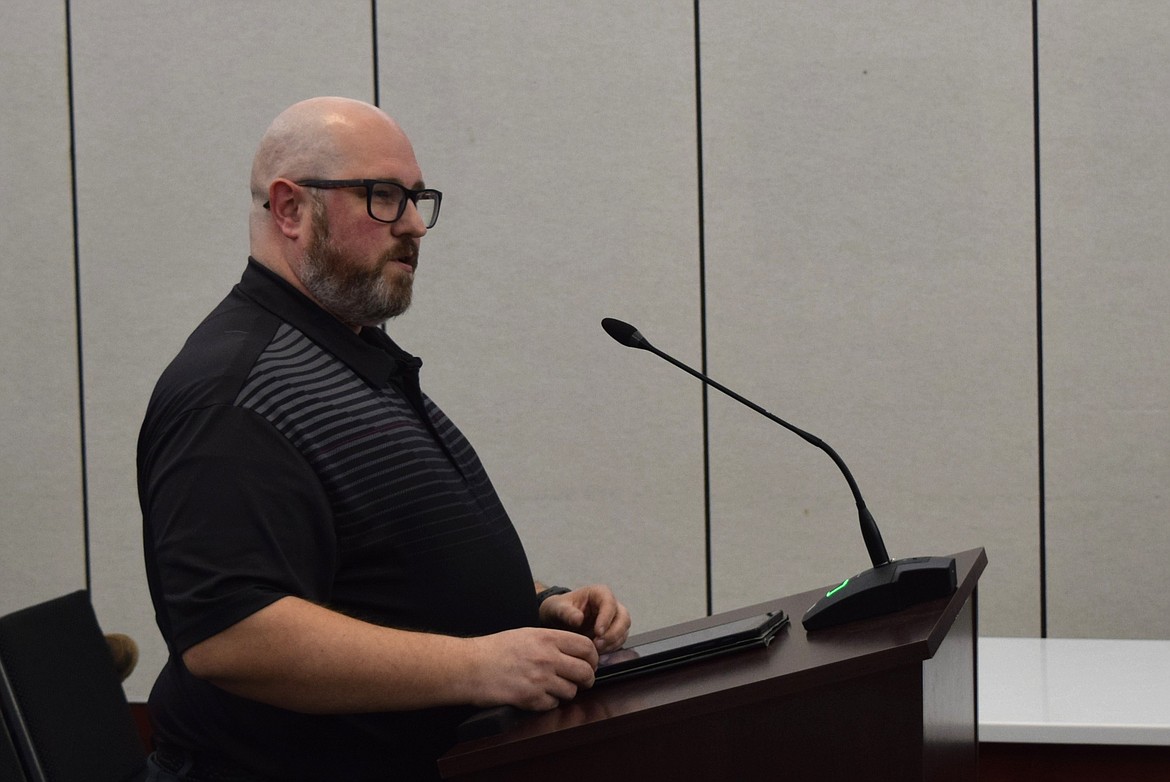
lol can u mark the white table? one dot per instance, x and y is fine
(1074, 691)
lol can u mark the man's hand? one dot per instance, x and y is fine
(532, 668)
(592, 611)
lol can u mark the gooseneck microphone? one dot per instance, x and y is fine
(889, 585)
(632, 338)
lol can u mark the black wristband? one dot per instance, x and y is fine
(553, 590)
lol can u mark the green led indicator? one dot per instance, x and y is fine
(838, 588)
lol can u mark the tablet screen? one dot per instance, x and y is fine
(753, 631)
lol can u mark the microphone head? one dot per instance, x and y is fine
(624, 333)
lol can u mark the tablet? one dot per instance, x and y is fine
(674, 650)
(757, 630)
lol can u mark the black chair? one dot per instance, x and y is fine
(62, 697)
(10, 768)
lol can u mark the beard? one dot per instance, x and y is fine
(354, 295)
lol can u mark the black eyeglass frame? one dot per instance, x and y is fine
(412, 195)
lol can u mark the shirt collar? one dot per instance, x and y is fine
(370, 353)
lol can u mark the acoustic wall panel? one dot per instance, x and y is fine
(868, 209)
(171, 100)
(1106, 191)
(563, 138)
(42, 535)
(870, 277)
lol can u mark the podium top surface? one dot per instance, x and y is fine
(797, 660)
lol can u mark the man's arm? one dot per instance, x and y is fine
(300, 656)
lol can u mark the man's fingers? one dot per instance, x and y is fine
(578, 671)
(535, 668)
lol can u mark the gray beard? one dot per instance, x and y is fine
(355, 296)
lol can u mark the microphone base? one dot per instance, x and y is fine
(898, 584)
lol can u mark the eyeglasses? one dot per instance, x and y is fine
(386, 200)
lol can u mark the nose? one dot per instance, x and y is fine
(410, 224)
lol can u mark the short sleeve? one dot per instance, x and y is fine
(235, 519)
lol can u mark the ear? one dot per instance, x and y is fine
(290, 208)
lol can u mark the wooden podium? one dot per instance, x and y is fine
(890, 698)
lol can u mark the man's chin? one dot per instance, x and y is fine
(394, 311)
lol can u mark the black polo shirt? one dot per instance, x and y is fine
(283, 454)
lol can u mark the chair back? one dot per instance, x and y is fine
(63, 700)
(10, 768)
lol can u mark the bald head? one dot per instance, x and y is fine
(312, 139)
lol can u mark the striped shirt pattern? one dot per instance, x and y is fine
(389, 482)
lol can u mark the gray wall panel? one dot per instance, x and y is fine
(1106, 173)
(563, 137)
(171, 100)
(871, 277)
(41, 528)
(870, 270)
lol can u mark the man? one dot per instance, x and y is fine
(336, 579)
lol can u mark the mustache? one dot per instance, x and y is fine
(406, 252)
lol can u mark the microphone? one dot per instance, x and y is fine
(891, 584)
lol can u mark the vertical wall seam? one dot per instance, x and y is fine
(377, 83)
(77, 298)
(374, 51)
(703, 314)
(1042, 509)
